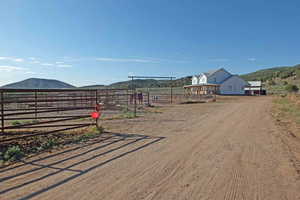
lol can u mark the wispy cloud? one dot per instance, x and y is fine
(12, 59)
(252, 59)
(47, 64)
(126, 60)
(33, 73)
(59, 62)
(64, 66)
(30, 72)
(6, 68)
(19, 60)
(122, 60)
(219, 60)
(36, 62)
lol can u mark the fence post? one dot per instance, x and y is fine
(171, 90)
(134, 103)
(96, 93)
(35, 104)
(127, 98)
(2, 113)
(148, 97)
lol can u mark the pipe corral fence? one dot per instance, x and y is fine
(53, 110)
(32, 112)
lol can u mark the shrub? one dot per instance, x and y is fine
(13, 153)
(49, 144)
(129, 115)
(291, 88)
(298, 73)
(100, 130)
(271, 82)
(35, 121)
(16, 123)
(1, 158)
(285, 74)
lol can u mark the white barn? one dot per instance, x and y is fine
(221, 82)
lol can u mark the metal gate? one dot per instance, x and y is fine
(31, 112)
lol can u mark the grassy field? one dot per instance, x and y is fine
(162, 90)
(287, 109)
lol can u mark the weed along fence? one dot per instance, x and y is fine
(31, 112)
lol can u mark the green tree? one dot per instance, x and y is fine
(285, 74)
(291, 88)
(298, 73)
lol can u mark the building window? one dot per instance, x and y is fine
(230, 87)
(194, 80)
(215, 80)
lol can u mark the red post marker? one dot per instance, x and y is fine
(95, 115)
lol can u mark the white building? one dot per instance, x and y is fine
(218, 81)
(255, 88)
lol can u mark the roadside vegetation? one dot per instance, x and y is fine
(18, 149)
(291, 88)
(38, 144)
(286, 111)
(23, 122)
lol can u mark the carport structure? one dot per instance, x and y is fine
(201, 89)
(134, 92)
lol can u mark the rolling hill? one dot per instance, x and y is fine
(276, 76)
(36, 83)
(93, 87)
(276, 79)
(274, 73)
(152, 83)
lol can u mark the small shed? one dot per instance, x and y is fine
(255, 88)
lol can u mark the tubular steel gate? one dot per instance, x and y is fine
(52, 110)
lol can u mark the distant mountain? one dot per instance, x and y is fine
(152, 83)
(93, 87)
(274, 73)
(36, 83)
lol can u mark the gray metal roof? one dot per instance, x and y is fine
(211, 72)
(255, 83)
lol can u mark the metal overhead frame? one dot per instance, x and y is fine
(171, 78)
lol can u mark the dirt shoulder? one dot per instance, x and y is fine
(231, 149)
(286, 112)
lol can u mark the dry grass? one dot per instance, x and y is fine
(286, 110)
(288, 107)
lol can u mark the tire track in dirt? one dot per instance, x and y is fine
(226, 150)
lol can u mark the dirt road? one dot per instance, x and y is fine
(230, 149)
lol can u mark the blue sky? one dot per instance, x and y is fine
(104, 41)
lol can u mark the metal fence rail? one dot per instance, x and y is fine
(26, 113)
(50, 109)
